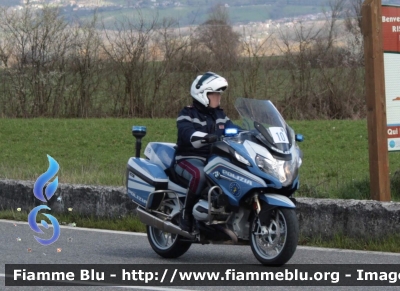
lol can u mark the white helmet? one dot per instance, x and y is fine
(203, 84)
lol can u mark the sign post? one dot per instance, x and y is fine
(375, 99)
(391, 56)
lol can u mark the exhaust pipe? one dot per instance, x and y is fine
(229, 233)
(160, 224)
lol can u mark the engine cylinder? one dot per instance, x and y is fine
(200, 210)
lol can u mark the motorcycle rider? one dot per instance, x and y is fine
(199, 125)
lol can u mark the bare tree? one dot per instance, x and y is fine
(128, 48)
(327, 40)
(169, 82)
(252, 66)
(5, 49)
(353, 24)
(218, 37)
(296, 45)
(322, 84)
(145, 68)
(84, 67)
(38, 45)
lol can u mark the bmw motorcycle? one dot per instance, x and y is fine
(252, 175)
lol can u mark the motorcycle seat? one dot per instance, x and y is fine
(174, 177)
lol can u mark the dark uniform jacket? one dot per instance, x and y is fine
(194, 122)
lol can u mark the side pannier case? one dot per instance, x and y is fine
(143, 178)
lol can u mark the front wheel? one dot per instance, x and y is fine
(275, 244)
(167, 245)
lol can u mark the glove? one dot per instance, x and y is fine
(210, 138)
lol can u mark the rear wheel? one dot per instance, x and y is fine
(167, 245)
(275, 243)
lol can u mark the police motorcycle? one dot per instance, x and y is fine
(252, 175)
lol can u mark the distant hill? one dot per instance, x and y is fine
(186, 12)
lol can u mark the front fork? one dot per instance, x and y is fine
(257, 208)
(269, 230)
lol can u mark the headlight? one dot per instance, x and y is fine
(242, 159)
(285, 171)
(273, 167)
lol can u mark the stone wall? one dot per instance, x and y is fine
(324, 217)
(354, 218)
(84, 199)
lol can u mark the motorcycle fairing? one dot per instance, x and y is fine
(234, 181)
(243, 149)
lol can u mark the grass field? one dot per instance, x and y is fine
(95, 151)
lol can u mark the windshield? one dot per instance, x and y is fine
(262, 111)
(263, 117)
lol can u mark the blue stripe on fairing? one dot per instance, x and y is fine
(277, 202)
(143, 194)
(154, 170)
(296, 181)
(140, 182)
(237, 171)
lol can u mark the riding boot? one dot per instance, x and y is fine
(186, 219)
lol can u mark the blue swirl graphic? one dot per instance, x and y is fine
(33, 225)
(44, 178)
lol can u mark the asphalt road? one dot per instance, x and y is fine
(89, 246)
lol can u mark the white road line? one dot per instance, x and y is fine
(307, 248)
(346, 251)
(83, 228)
